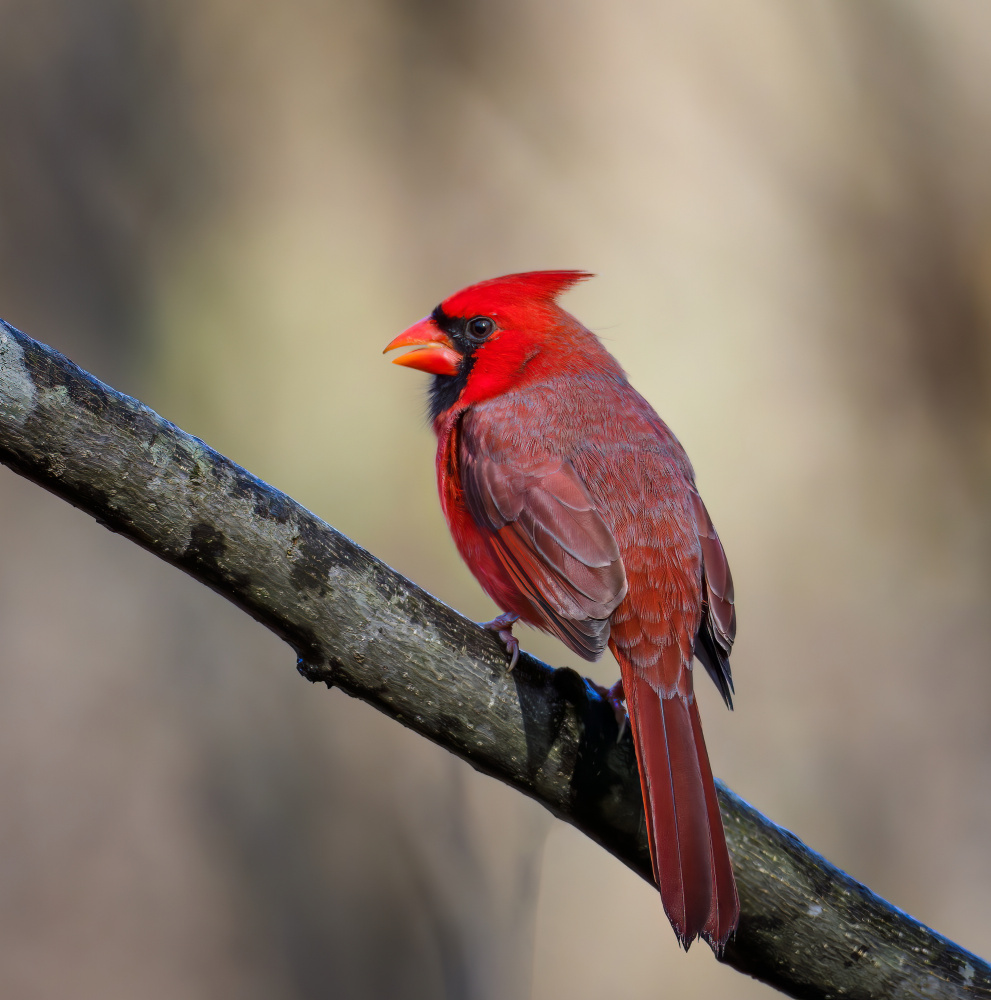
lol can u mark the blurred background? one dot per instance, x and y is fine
(228, 208)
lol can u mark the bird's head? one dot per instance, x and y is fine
(492, 337)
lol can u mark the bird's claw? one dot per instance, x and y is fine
(503, 627)
(616, 698)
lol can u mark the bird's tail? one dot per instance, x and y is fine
(685, 831)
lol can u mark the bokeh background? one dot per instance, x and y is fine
(228, 208)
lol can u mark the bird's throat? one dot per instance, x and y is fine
(446, 390)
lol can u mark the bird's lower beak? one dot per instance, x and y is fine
(437, 355)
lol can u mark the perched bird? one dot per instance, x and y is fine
(576, 509)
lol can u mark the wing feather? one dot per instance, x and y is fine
(550, 539)
(717, 629)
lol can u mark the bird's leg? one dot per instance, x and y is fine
(503, 627)
(616, 697)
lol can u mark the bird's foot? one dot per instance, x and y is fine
(503, 627)
(616, 697)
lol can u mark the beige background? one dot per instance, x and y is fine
(228, 208)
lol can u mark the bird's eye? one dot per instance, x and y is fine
(479, 327)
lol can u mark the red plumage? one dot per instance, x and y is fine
(576, 509)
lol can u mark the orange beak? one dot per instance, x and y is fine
(437, 355)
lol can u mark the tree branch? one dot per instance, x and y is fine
(806, 927)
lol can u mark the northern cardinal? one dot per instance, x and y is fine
(576, 509)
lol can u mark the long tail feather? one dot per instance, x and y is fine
(725, 911)
(687, 845)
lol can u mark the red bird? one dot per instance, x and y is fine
(576, 509)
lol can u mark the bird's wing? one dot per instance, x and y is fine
(717, 629)
(549, 538)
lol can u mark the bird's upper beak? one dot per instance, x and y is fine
(437, 355)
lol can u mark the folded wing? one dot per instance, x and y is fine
(550, 539)
(717, 629)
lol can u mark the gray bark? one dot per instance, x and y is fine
(806, 928)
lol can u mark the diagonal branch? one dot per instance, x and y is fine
(806, 928)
